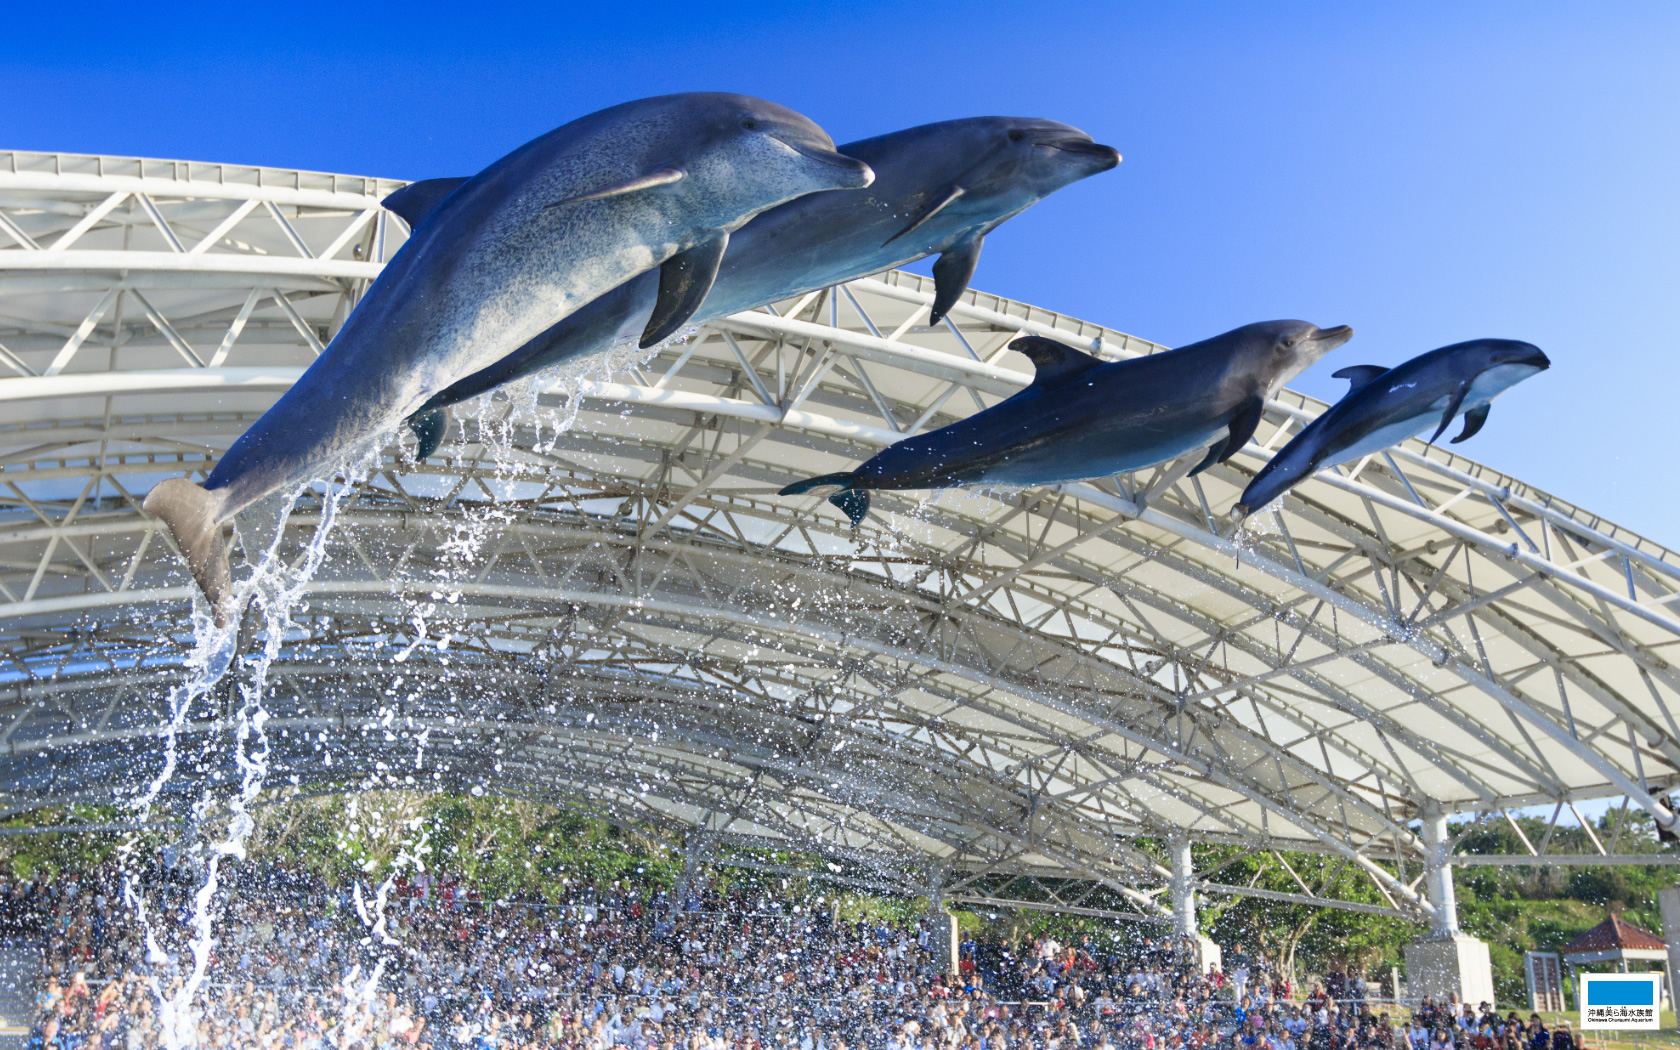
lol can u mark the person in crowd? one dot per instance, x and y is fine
(1236, 968)
(613, 966)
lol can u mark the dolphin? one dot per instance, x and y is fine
(938, 189)
(1385, 406)
(661, 182)
(1084, 418)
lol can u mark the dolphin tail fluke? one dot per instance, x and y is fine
(429, 427)
(191, 513)
(852, 501)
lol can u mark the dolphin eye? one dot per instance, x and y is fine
(750, 124)
(1017, 135)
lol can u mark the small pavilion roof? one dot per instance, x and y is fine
(1615, 933)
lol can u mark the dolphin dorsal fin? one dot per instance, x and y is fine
(1053, 362)
(1359, 375)
(419, 199)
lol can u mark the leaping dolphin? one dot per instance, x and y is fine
(938, 189)
(661, 182)
(1086, 418)
(1385, 406)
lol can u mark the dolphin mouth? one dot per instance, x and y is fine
(1535, 358)
(1083, 147)
(861, 173)
(1333, 337)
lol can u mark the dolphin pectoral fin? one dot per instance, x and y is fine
(429, 426)
(854, 503)
(1473, 421)
(1215, 454)
(1053, 361)
(1359, 375)
(190, 512)
(419, 199)
(659, 177)
(1452, 410)
(936, 203)
(951, 275)
(684, 280)
(1243, 426)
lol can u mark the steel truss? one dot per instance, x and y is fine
(972, 685)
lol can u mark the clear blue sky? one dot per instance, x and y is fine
(1427, 172)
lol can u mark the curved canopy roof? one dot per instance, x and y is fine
(623, 616)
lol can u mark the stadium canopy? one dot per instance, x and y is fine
(624, 618)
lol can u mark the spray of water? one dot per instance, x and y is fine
(273, 590)
(521, 420)
(1249, 534)
(357, 990)
(520, 404)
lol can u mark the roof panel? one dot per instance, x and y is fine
(1024, 677)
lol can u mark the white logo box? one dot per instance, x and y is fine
(1621, 1000)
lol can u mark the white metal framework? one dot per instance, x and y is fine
(973, 683)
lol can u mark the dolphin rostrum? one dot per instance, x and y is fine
(1084, 418)
(661, 182)
(1385, 406)
(938, 189)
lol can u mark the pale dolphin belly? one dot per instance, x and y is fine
(1386, 437)
(1495, 381)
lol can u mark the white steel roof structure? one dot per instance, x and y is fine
(625, 617)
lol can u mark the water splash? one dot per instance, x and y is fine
(274, 590)
(360, 992)
(514, 427)
(501, 413)
(1253, 532)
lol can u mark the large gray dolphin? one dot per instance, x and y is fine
(1086, 418)
(1385, 406)
(657, 183)
(938, 189)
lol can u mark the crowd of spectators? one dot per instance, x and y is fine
(302, 966)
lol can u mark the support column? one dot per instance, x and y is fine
(1187, 936)
(1669, 901)
(945, 942)
(944, 937)
(1438, 876)
(1447, 961)
(1182, 888)
(694, 851)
